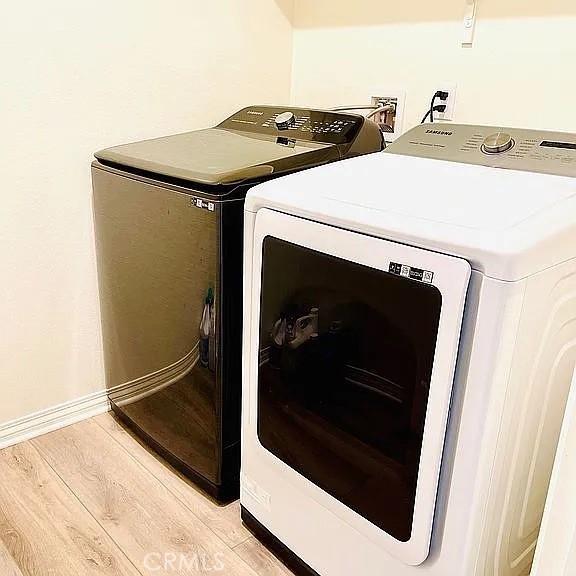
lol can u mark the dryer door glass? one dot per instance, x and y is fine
(346, 355)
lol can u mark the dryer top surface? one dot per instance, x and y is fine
(508, 223)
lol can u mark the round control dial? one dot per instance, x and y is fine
(497, 143)
(284, 120)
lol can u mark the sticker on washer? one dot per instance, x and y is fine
(204, 204)
(411, 272)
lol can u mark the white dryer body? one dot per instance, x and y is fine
(460, 269)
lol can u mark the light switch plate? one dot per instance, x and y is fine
(469, 22)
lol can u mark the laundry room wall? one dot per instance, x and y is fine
(78, 77)
(518, 72)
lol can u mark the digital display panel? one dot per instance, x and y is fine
(564, 145)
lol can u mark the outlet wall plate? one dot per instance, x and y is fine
(448, 114)
(398, 97)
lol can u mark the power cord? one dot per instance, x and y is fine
(437, 108)
(441, 95)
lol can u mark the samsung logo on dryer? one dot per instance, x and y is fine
(439, 132)
(255, 112)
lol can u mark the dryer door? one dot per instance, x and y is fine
(352, 355)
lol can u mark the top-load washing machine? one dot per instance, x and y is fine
(409, 342)
(168, 218)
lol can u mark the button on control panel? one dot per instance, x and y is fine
(284, 120)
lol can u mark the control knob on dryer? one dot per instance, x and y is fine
(497, 143)
(284, 120)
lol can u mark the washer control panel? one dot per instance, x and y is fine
(297, 123)
(516, 149)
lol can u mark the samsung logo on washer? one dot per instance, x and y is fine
(255, 112)
(439, 132)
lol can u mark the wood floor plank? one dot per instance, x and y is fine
(44, 529)
(223, 520)
(262, 561)
(154, 529)
(8, 566)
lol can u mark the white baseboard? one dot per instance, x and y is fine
(53, 418)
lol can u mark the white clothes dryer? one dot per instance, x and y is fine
(556, 550)
(409, 342)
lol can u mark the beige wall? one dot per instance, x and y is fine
(519, 72)
(76, 79)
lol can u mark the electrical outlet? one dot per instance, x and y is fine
(450, 102)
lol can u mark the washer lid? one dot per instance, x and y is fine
(249, 146)
(215, 156)
(509, 224)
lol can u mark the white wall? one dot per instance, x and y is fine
(75, 80)
(519, 72)
(77, 77)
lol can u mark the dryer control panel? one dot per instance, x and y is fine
(508, 148)
(297, 123)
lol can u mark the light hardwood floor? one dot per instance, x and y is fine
(91, 499)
